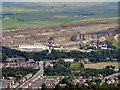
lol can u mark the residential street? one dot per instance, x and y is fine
(103, 81)
(39, 74)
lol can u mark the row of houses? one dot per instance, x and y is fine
(80, 81)
(16, 84)
(23, 64)
(83, 81)
(15, 59)
(12, 83)
(113, 79)
(6, 83)
(19, 60)
(50, 83)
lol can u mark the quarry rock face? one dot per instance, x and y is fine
(67, 35)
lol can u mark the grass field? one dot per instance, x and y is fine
(55, 77)
(75, 65)
(13, 79)
(24, 19)
(101, 65)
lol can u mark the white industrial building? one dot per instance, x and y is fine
(36, 46)
(68, 59)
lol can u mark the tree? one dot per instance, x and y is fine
(107, 67)
(82, 65)
(106, 80)
(58, 87)
(43, 87)
(88, 81)
(78, 86)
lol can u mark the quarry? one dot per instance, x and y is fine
(68, 35)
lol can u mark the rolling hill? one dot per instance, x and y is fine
(87, 6)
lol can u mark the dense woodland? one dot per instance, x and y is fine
(60, 68)
(94, 56)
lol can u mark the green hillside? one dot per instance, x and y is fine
(107, 6)
(22, 15)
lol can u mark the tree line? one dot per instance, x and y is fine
(93, 56)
